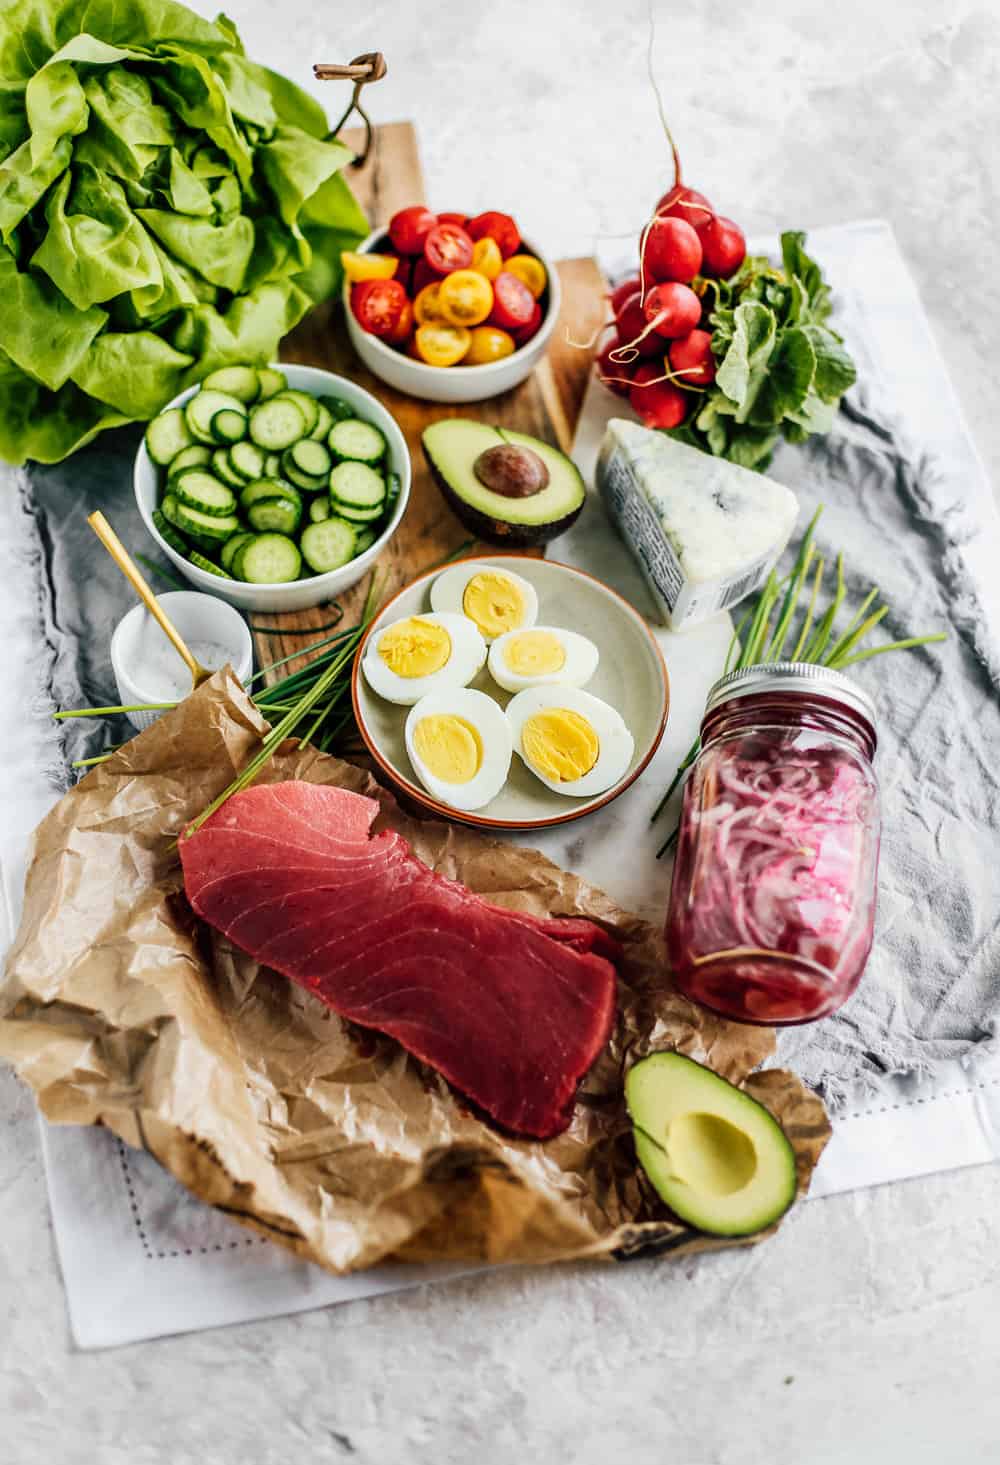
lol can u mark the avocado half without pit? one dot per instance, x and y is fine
(715, 1156)
(506, 487)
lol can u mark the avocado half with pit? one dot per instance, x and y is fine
(715, 1156)
(506, 487)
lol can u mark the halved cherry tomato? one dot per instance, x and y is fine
(368, 266)
(488, 343)
(529, 269)
(378, 305)
(427, 306)
(513, 302)
(403, 329)
(410, 227)
(442, 345)
(486, 257)
(500, 227)
(466, 298)
(460, 219)
(525, 333)
(448, 247)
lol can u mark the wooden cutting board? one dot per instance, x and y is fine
(547, 405)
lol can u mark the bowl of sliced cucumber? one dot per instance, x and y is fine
(274, 487)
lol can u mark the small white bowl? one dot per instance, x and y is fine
(297, 594)
(137, 639)
(454, 383)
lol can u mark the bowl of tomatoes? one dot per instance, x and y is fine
(447, 307)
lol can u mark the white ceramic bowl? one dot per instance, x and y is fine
(137, 639)
(297, 594)
(454, 383)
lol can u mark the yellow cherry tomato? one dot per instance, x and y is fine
(529, 270)
(488, 343)
(486, 258)
(442, 345)
(368, 266)
(427, 305)
(466, 298)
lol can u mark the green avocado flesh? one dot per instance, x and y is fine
(715, 1156)
(452, 447)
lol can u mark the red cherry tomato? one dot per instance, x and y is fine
(674, 309)
(615, 377)
(692, 355)
(403, 328)
(460, 219)
(446, 248)
(658, 403)
(404, 269)
(500, 227)
(623, 292)
(524, 333)
(687, 204)
(378, 305)
(630, 325)
(672, 251)
(410, 227)
(724, 247)
(513, 303)
(422, 275)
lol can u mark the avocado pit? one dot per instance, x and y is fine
(511, 471)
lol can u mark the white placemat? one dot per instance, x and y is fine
(139, 1257)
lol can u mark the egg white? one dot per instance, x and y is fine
(468, 653)
(448, 590)
(616, 742)
(581, 662)
(487, 717)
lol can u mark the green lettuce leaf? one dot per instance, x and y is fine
(40, 330)
(219, 253)
(96, 247)
(132, 371)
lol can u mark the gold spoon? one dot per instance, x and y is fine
(134, 575)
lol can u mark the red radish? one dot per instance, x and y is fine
(659, 403)
(672, 251)
(616, 377)
(630, 325)
(623, 292)
(674, 309)
(687, 204)
(692, 355)
(724, 247)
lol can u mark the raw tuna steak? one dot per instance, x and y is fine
(512, 1010)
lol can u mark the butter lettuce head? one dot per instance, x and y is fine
(167, 206)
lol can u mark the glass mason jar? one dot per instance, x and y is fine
(772, 906)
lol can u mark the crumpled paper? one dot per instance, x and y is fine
(120, 1008)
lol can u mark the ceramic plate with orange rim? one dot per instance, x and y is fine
(631, 677)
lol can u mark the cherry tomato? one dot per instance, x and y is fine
(658, 403)
(529, 269)
(378, 305)
(427, 305)
(616, 377)
(404, 270)
(687, 204)
(488, 343)
(500, 227)
(465, 297)
(368, 266)
(460, 219)
(622, 293)
(486, 257)
(630, 325)
(674, 309)
(403, 329)
(692, 355)
(448, 247)
(422, 275)
(442, 345)
(524, 333)
(513, 302)
(410, 227)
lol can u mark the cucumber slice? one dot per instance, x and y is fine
(229, 426)
(238, 381)
(168, 435)
(268, 488)
(355, 515)
(248, 461)
(169, 534)
(308, 406)
(277, 423)
(280, 515)
(323, 422)
(311, 458)
(209, 566)
(222, 468)
(228, 552)
(271, 382)
(392, 487)
(357, 484)
(338, 409)
(356, 440)
(204, 526)
(268, 559)
(196, 456)
(168, 508)
(202, 408)
(272, 466)
(328, 545)
(203, 491)
(364, 540)
(302, 480)
(319, 509)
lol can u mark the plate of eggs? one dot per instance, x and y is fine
(509, 692)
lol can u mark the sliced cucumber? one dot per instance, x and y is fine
(267, 488)
(357, 484)
(280, 515)
(168, 435)
(196, 456)
(228, 552)
(209, 566)
(308, 406)
(311, 458)
(305, 481)
(202, 408)
(324, 421)
(268, 559)
(204, 526)
(327, 545)
(203, 491)
(355, 515)
(319, 509)
(272, 466)
(392, 487)
(238, 381)
(338, 409)
(229, 426)
(363, 540)
(356, 440)
(270, 381)
(277, 423)
(223, 468)
(248, 461)
(168, 533)
(168, 508)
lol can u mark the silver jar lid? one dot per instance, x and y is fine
(792, 676)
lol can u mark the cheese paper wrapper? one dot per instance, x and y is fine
(120, 1008)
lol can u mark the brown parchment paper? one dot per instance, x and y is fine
(119, 1008)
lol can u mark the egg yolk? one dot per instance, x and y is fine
(415, 648)
(449, 747)
(494, 601)
(560, 744)
(534, 654)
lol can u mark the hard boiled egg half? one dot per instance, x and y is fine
(420, 654)
(575, 743)
(459, 744)
(495, 599)
(540, 655)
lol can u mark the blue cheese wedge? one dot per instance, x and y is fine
(704, 531)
